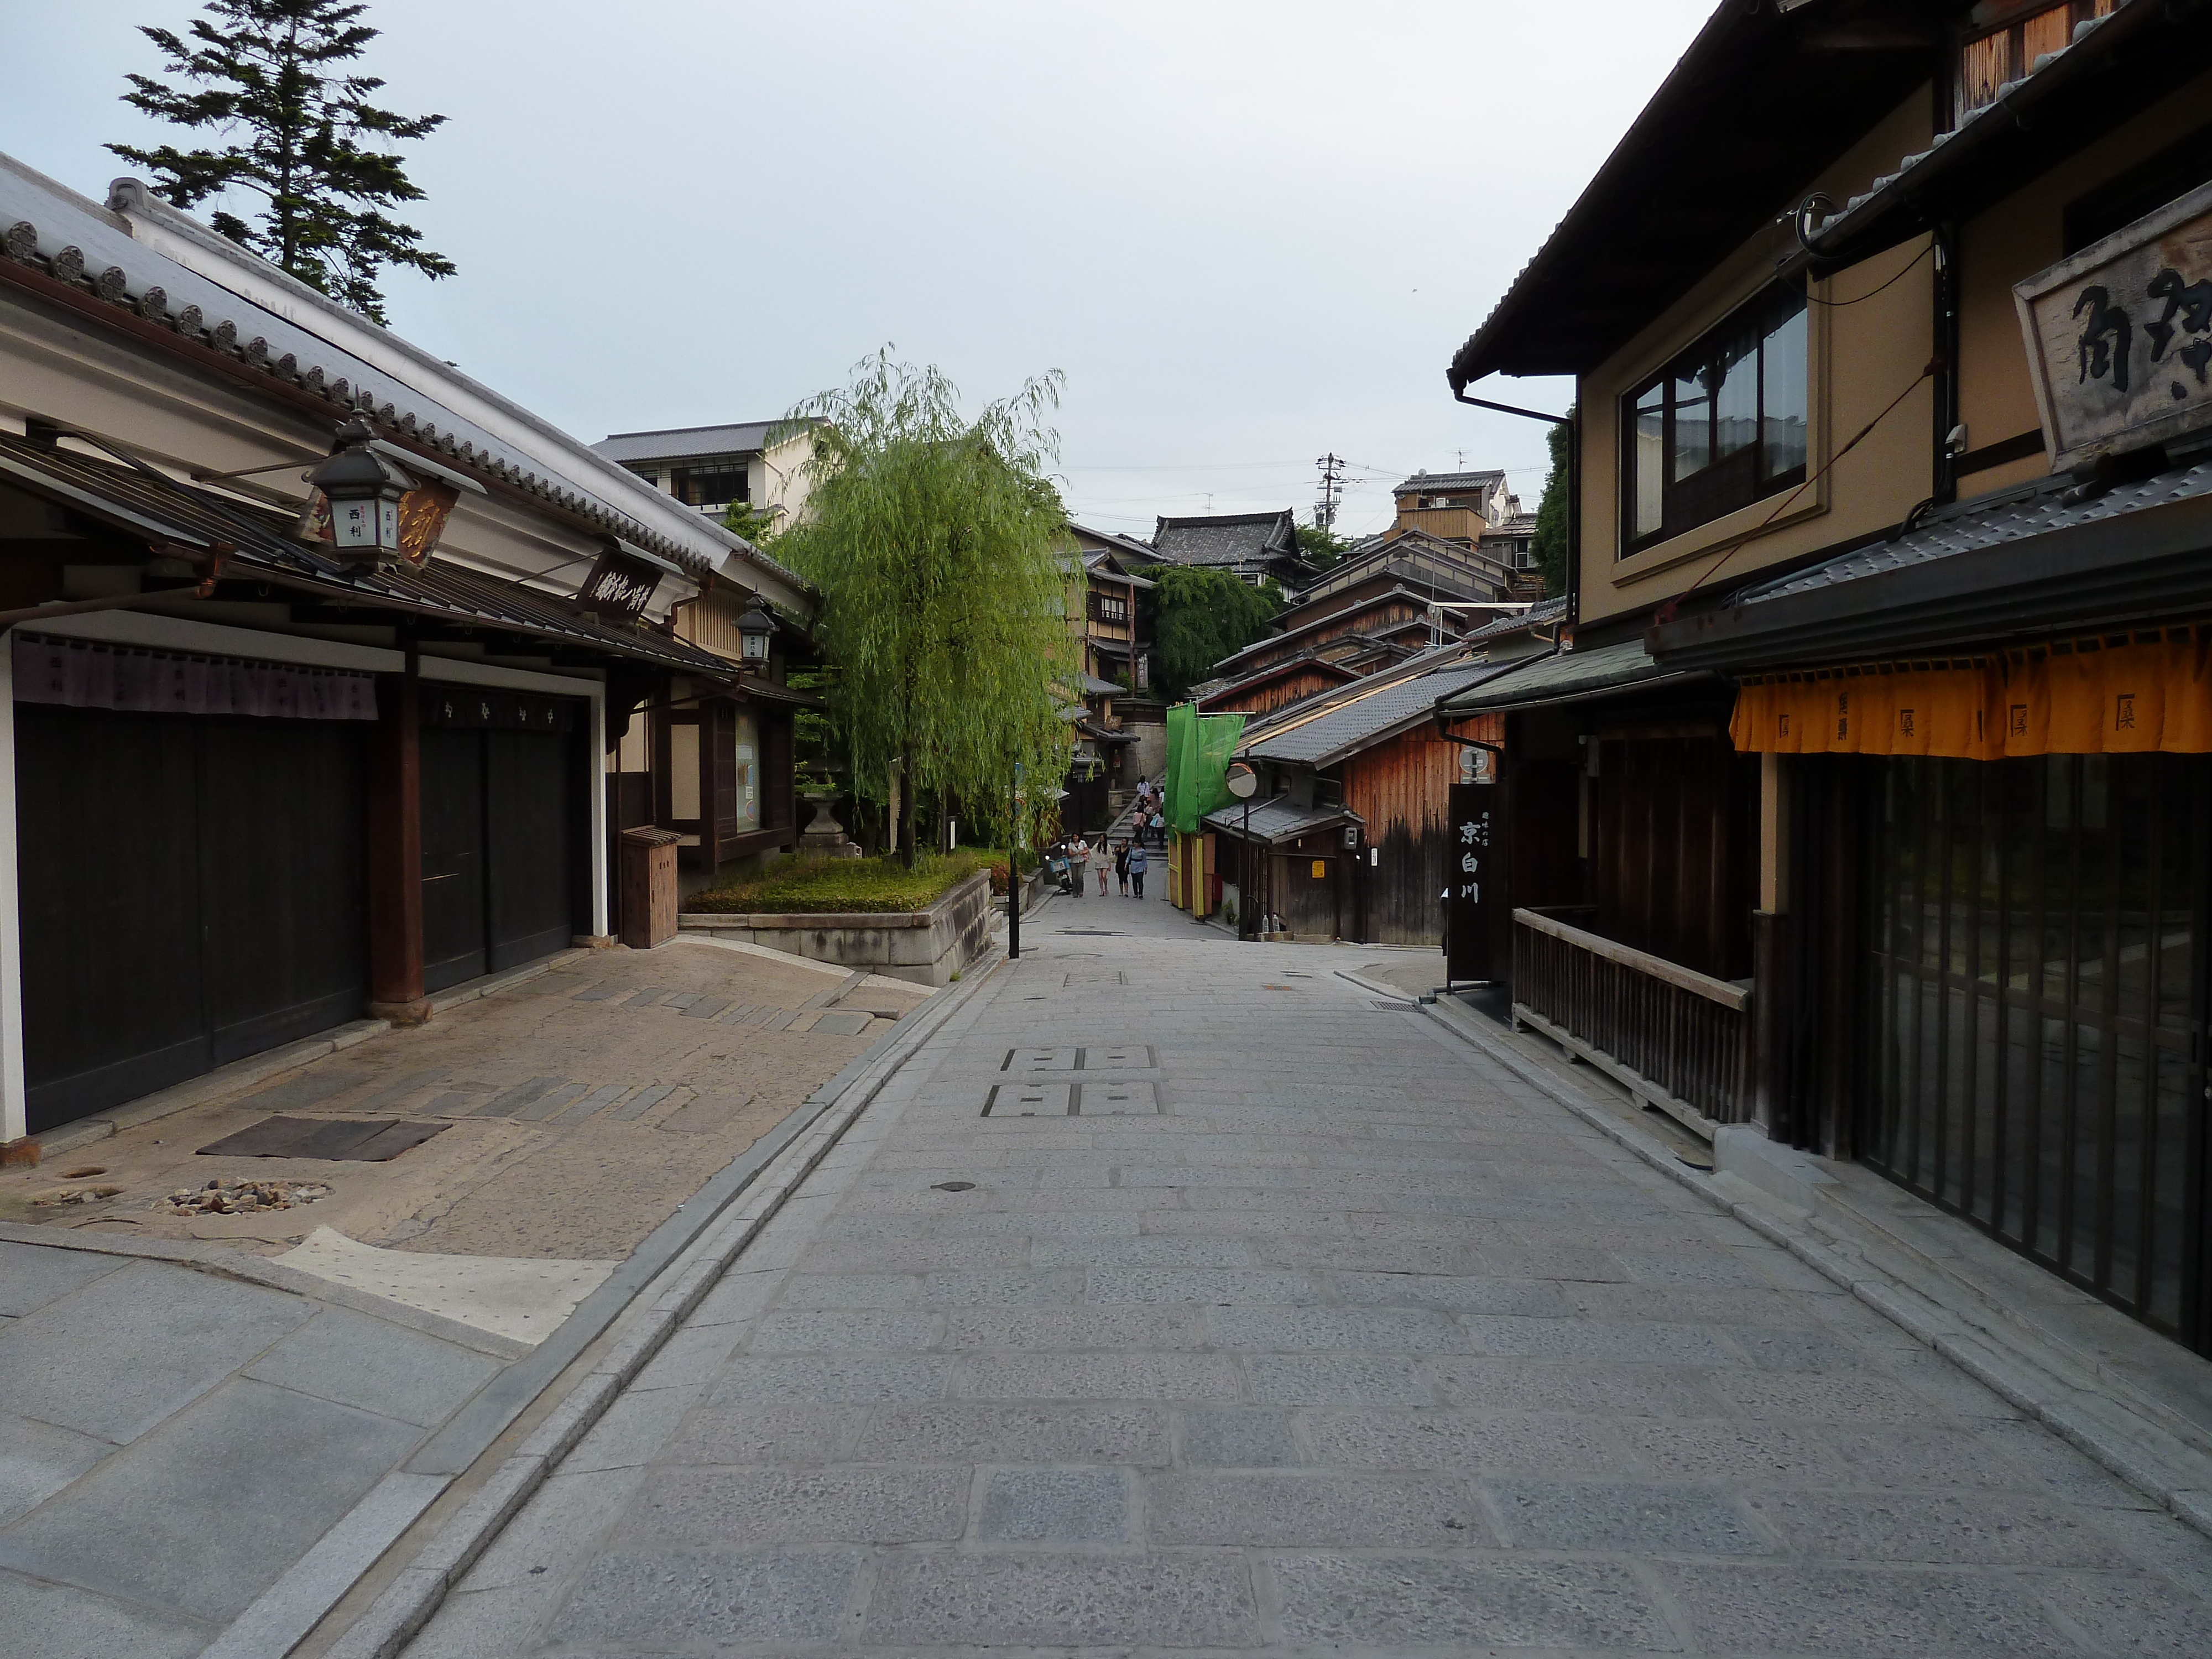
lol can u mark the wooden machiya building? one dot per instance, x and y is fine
(273, 756)
(1866, 799)
(1349, 837)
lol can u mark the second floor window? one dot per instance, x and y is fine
(1724, 425)
(709, 486)
(1106, 607)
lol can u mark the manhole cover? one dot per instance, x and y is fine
(1090, 933)
(354, 1140)
(1388, 1006)
(954, 1187)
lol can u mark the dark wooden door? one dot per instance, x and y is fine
(504, 876)
(455, 943)
(192, 892)
(530, 802)
(284, 860)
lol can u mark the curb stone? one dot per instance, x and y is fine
(408, 1603)
(2132, 1448)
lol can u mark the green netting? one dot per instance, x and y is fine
(1199, 748)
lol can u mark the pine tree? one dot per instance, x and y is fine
(268, 69)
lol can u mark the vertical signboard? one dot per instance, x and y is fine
(1474, 901)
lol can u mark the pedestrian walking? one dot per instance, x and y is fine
(1078, 858)
(1121, 866)
(1137, 864)
(1101, 861)
(1160, 832)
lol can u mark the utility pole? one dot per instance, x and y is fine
(1332, 491)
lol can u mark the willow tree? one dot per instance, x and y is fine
(931, 538)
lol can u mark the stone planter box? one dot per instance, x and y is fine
(926, 946)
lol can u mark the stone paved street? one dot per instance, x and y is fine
(1309, 1330)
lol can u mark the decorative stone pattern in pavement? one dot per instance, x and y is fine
(1355, 1344)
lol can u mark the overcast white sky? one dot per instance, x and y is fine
(1249, 233)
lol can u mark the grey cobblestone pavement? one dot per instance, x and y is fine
(1306, 1330)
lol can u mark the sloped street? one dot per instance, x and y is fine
(1307, 1329)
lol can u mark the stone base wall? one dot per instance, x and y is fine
(926, 946)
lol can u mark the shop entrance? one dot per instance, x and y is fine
(2038, 985)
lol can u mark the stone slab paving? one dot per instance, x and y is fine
(1355, 1344)
(172, 1440)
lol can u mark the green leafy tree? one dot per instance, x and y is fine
(1202, 616)
(1549, 544)
(932, 539)
(757, 524)
(268, 71)
(1320, 547)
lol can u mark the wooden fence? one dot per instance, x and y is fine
(1677, 1039)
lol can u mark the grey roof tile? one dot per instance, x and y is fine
(2007, 518)
(1362, 721)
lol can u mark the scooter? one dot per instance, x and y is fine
(1062, 870)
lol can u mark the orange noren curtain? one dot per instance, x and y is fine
(2141, 695)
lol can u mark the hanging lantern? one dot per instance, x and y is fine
(755, 629)
(363, 490)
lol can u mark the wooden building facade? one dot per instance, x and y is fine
(1879, 725)
(255, 784)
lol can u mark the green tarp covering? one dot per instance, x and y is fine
(1199, 748)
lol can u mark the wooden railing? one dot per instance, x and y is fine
(1677, 1039)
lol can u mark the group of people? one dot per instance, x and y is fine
(1130, 861)
(1072, 860)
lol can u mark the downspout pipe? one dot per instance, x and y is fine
(1573, 423)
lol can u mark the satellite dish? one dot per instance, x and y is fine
(1244, 782)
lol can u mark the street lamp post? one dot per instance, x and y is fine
(1014, 874)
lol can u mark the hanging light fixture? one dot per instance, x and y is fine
(755, 629)
(363, 490)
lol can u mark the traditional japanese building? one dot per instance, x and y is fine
(275, 754)
(1864, 796)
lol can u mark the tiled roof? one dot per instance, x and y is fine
(1565, 676)
(2010, 518)
(151, 503)
(1227, 539)
(1448, 481)
(52, 233)
(1365, 719)
(685, 443)
(1277, 821)
(2003, 115)
(1539, 614)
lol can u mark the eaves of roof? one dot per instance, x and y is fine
(150, 506)
(1275, 822)
(85, 258)
(2139, 553)
(1304, 662)
(1569, 677)
(2114, 67)
(686, 443)
(1807, 83)
(1358, 607)
(1360, 723)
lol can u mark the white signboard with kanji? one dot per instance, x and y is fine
(2119, 336)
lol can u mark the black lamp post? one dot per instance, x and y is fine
(363, 490)
(755, 629)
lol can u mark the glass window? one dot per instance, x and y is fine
(1649, 447)
(1781, 398)
(748, 778)
(1724, 424)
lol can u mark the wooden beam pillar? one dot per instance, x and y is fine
(395, 850)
